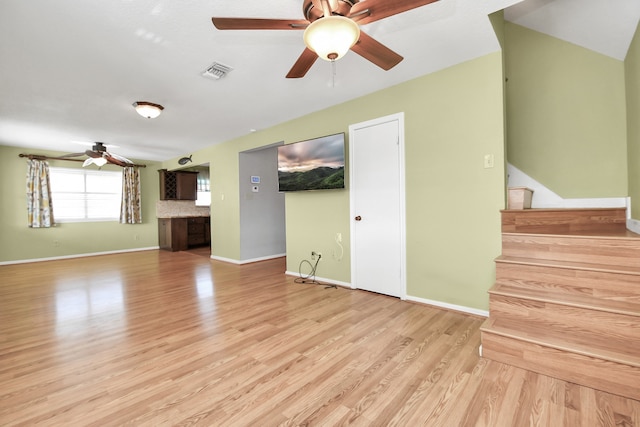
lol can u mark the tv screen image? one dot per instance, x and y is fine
(314, 164)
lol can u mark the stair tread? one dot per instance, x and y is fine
(533, 211)
(534, 335)
(622, 233)
(590, 302)
(621, 269)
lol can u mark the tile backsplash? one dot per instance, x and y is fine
(177, 208)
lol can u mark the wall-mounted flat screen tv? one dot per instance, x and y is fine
(314, 164)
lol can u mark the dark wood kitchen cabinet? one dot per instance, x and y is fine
(198, 231)
(172, 234)
(181, 233)
(178, 185)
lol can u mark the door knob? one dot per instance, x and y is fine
(358, 218)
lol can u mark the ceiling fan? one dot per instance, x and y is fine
(99, 156)
(348, 13)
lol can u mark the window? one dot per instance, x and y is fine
(81, 195)
(203, 189)
(203, 198)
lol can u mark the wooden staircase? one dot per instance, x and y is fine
(566, 302)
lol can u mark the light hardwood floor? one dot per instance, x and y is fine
(158, 338)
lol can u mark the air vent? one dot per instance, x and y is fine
(216, 71)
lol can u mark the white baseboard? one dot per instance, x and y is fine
(223, 259)
(439, 304)
(454, 307)
(322, 280)
(25, 261)
(246, 261)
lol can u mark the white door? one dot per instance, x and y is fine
(376, 172)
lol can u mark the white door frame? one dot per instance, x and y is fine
(399, 117)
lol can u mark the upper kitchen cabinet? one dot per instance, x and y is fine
(178, 185)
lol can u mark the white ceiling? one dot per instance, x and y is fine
(70, 69)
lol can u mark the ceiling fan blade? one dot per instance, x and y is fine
(74, 155)
(115, 161)
(371, 49)
(303, 64)
(93, 154)
(379, 9)
(119, 157)
(259, 24)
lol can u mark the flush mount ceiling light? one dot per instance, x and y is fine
(148, 109)
(331, 37)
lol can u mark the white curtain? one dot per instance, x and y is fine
(39, 204)
(131, 207)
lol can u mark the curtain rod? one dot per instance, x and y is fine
(43, 157)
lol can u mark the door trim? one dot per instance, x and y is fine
(399, 117)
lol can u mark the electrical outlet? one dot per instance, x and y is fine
(313, 255)
(339, 237)
(319, 255)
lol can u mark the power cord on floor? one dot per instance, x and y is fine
(311, 277)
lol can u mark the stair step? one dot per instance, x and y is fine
(573, 265)
(622, 250)
(600, 350)
(616, 331)
(599, 281)
(589, 365)
(557, 221)
(579, 301)
(566, 302)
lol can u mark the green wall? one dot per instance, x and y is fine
(453, 203)
(19, 242)
(566, 119)
(452, 119)
(632, 79)
(570, 122)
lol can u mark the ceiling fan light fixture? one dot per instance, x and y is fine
(148, 109)
(331, 37)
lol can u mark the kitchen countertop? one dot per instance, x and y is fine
(183, 216)
(180, 208)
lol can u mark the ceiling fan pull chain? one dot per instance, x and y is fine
(333, 74)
